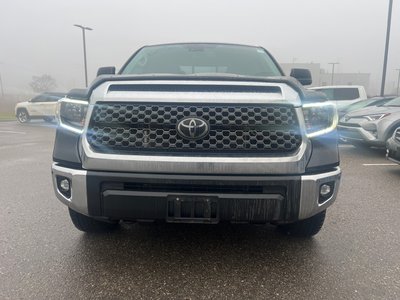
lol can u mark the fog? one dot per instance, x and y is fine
(38, 37)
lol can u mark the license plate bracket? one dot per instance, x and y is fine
(192, 209)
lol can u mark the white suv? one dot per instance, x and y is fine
(343, 95)
(42, 106)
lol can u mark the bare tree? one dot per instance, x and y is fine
(43, 83)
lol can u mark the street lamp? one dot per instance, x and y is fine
(1, 84)
(84, 48)
(333, 70)
(398, 81)
(2, 88)
(389, 21)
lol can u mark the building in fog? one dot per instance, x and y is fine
(345, 79)
(321, 77)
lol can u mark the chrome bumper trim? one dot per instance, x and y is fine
(310, 185)
(78, 199)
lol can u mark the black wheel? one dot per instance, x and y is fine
(87, 224)
(304, 228)
(390, 134)
(48, 119)
(23, 116)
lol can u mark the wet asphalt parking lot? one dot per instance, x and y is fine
(42, 255)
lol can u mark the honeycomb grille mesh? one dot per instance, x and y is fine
(234, 128)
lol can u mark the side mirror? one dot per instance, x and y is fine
(106, 71)
(302, 75)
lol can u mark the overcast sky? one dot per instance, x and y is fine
(37, 37)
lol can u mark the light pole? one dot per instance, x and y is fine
(333, 70)
(398, 81)
(2, 88)
(84, 48)
(389, 21)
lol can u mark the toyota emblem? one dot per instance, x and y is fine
(192, 128)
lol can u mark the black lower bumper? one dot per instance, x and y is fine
(180, 199)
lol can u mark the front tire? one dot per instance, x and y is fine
(87, 224)
(304, 228)
(23, 116)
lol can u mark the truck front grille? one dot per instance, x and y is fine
(127, 128)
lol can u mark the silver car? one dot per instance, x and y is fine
(371, 126)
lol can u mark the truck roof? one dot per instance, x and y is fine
(202, 43)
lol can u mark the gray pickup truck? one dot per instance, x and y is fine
(197, 133)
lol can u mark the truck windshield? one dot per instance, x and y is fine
(206, 59)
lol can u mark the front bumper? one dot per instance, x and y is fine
(133, 196)
(359, 134)
(393, 150)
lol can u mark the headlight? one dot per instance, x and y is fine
(71, 114)
(320, 118)
(376, 117)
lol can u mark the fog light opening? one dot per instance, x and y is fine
(64, 186)
(326, 191)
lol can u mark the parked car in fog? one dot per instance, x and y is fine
(374, 101)
(42, 106)
(371, 125)
(342, 95)
(393, 147)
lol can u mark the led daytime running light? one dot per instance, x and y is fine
(320, 118)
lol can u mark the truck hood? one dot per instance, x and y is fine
(197, 91)
(181, 80)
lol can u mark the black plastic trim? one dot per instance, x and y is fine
(79, 94)
(68, 164)
(66, 147)
(288, 209)
(322, 169)
(325, 152)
